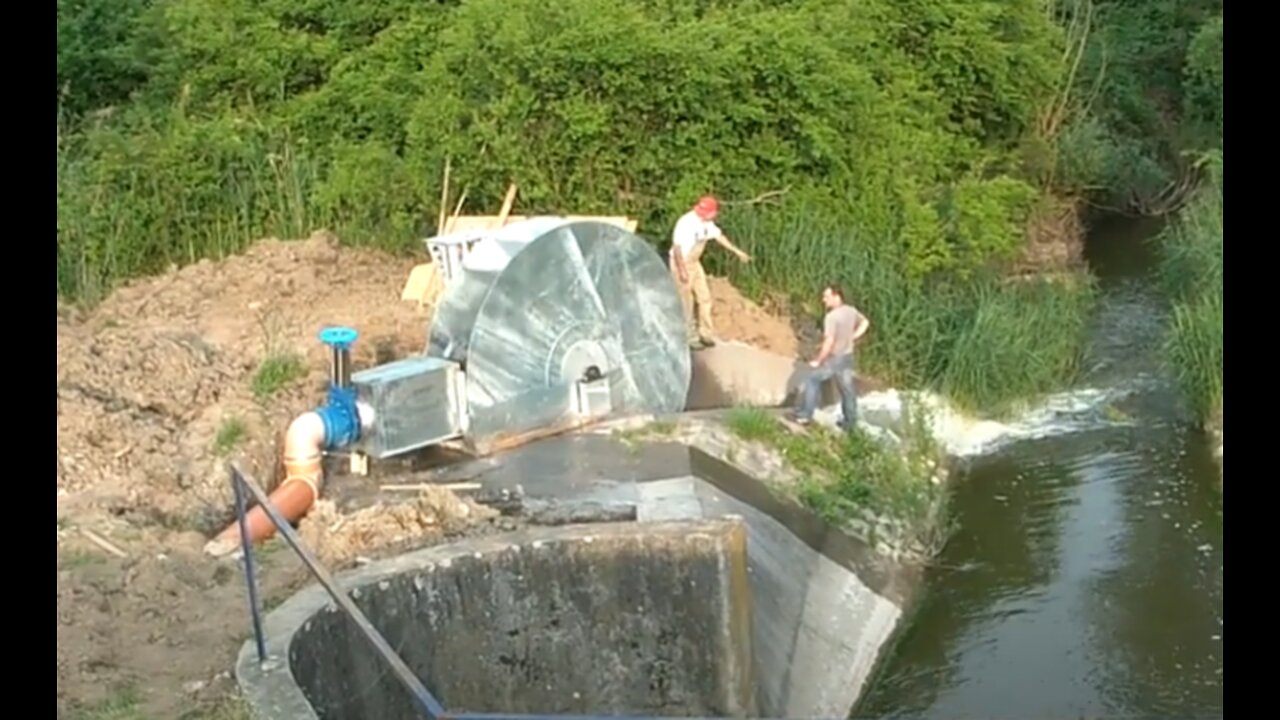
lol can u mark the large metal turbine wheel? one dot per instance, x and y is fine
(543, 301)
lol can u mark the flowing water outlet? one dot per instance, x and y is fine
(1059, 414)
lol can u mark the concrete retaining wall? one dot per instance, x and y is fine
(649, 619)
(823, 603)
(785, 618)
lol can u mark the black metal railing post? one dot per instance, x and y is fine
(426, 702)
(250, 575)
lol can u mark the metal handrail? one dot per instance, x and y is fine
(241, 481)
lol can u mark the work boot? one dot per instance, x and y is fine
(707, 341)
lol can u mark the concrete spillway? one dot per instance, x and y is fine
(720, 601)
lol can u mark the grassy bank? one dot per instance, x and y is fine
(1191, 269)
(848, 477)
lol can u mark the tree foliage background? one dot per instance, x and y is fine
(915, 138)
(188, 126)
(230, 119)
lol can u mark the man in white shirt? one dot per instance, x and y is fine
(688, 241)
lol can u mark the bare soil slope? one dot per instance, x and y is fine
(737, 318)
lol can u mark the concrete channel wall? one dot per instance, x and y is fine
(677, 614)
(822, 603)
(610, 619)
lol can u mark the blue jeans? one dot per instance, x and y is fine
(841, 369)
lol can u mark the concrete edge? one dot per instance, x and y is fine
(715, 451)
(271, 690)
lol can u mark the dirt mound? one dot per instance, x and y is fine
(157, 387)
(338, 539)
(169, 375)
(737, 318)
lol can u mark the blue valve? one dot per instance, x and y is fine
(339, 337)
(340, 415)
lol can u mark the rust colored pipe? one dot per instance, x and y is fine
(304, 478)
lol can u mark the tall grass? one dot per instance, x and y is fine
(984, 341)
(1191, 270)
(134, 200)
(140, 194)
(1194, 349)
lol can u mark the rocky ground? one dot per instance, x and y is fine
(158, 387)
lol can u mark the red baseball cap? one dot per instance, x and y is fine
(707, 207)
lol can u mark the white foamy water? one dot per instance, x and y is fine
(963, 435)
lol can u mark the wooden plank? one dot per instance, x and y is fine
(506, 205)
(457, 213)
(464, 223)
(103, 543)
(444, 195)
(424, 284)
(419, 487)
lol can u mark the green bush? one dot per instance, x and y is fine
(1203, 80)
(591, 105)
(1191, 268)
(1148, 82)
(99, 63)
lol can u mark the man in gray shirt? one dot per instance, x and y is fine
(841, 330)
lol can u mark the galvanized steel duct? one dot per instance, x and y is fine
(542, 301)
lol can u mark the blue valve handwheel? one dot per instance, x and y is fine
(338, 337)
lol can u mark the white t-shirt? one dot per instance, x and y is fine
(692, 231)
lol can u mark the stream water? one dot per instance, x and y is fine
(1085, 575)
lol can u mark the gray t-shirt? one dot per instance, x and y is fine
(840, 323)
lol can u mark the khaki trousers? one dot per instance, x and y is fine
(695, 291)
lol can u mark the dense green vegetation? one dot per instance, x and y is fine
(1191, 265)
(1151, 80)
(986, 342)
(280, 115)
(915, 139)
